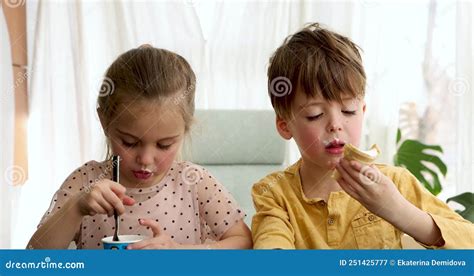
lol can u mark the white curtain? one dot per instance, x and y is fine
(228, 44)
(463, 87)
(8, 193)
(73, 44)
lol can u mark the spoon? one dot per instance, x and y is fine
(115, 177)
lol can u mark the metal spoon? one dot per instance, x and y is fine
(115, 177)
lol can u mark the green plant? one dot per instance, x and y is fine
(410, 154)
(466, 200)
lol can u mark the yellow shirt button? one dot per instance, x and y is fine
(330, 221)
(371, 217)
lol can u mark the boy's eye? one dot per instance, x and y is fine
(129, 145)
(312, 118)
(349, 112)
(164, 147)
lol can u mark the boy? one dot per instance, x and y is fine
(316, 86)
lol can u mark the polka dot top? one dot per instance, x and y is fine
(189, 204)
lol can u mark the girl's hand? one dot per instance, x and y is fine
(102, 198)
(371, 188)
(160, 239)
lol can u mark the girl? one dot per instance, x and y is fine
(146, 107)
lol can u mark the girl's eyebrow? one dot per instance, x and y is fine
(135, 137)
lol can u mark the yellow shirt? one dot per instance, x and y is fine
(286, 219)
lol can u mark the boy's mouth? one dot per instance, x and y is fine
(335, 146)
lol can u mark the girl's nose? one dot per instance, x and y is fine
(145, 157)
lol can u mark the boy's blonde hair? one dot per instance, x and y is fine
(150, 74)
(314, 61)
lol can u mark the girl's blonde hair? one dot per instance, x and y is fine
(150, 74)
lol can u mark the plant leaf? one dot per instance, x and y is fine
(410, 155)
(466, 200)
(399, 135)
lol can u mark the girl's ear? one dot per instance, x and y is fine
(282, 127)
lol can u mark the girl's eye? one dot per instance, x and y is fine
(312, 118)
(129, 145)
(164, 147)
(349, 112)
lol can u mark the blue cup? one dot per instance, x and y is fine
(122, 243)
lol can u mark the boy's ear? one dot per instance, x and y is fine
(282, 127)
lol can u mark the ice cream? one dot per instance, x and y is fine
(363, 156)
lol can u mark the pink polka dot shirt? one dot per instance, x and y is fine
(189, 204)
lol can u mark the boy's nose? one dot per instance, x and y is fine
(334, 128)
(334, 123)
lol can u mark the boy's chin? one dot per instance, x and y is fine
(332, 162)
(328, 164)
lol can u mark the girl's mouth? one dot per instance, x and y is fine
(142, 175)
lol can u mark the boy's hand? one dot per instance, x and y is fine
(160, 239)
(370, 187)
(102, 198)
